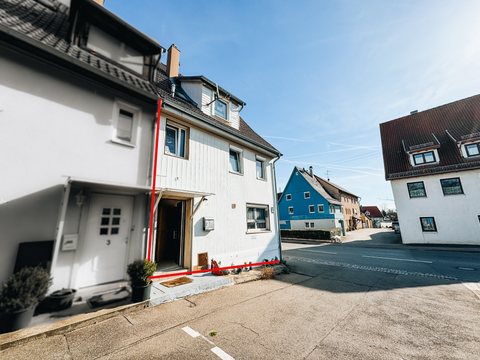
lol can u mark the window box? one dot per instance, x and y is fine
(125, 123)
(257, 218)
(176, 140)
(416, 189)
(451, 186)
(428, 224)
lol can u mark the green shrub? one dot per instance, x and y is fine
(139, 272)
(326, 234)
(24, 289)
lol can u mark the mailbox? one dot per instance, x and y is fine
(208, 224)
(69, 242)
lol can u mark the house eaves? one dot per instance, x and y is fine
(46, 52)
(213, 85)
(223, 128)
(317, 186)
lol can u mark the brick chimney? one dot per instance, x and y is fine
(100, 2)
(173, 61)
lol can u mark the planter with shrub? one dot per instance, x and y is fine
(139, 273)
(20, 295)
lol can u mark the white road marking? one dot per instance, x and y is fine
(221, 354)
(190, 331)
(379, 257)
(319, 251)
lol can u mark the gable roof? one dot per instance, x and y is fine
(317, 186)
(244, 131)
(443, 128)
(335, 186)
(44, 26)
(373, 210)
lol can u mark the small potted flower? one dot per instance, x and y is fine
(139, 273)
(20, 295)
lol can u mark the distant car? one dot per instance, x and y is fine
(397, 229)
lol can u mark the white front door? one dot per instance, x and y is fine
(106, 242)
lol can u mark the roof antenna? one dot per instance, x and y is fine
(328, 176)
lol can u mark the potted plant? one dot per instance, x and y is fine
(139, 273)
(20, 295)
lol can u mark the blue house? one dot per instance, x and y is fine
(305, 204)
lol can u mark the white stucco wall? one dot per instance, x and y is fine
(54, 126)
(320, 224)
(456, 216)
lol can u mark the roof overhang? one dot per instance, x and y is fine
(170, 192)
(111, 23)
(109, 185)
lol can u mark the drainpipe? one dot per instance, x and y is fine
(60, 224)
(276, 206)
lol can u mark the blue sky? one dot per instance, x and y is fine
(319, 77)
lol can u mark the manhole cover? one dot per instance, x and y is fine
(465, 268)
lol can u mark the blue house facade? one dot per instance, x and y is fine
(305, 204)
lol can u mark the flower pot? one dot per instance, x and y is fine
(61, 299)
(141, 293)
(16, 320)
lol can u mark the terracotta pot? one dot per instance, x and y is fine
(141, 293)
(16, 320)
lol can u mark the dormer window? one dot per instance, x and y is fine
(221, 109)
(424, 158)
(473, 149)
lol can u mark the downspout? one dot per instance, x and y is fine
(60, 225)
(275, 201)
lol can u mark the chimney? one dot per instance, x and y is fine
(99, 2)
(311, 171)
(173, 61)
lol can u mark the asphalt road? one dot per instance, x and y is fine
(341, 302)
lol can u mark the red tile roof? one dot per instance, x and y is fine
(459, 120)
(373, 210)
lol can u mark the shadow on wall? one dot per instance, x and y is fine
(30, 218)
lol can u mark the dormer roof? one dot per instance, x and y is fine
(442, 128)
(212, 86)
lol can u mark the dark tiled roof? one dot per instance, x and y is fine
(318, 186)
(460, 118)
(335, 186)
(47, 21)
(163, 88)
(373, 210)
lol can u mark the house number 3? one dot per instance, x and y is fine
(108, 242)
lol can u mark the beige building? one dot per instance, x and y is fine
(350, 204)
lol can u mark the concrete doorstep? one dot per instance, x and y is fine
(160, 295)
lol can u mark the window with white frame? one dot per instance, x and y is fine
(260, 167)
(125, 123)
(235, 160)
(473, 149)
(290, 210)
(311, 209)
(176, 139)
(321, 208)
(221, 109)
(289, 197)
(424, 158)
(257, 217)
(306, 195)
